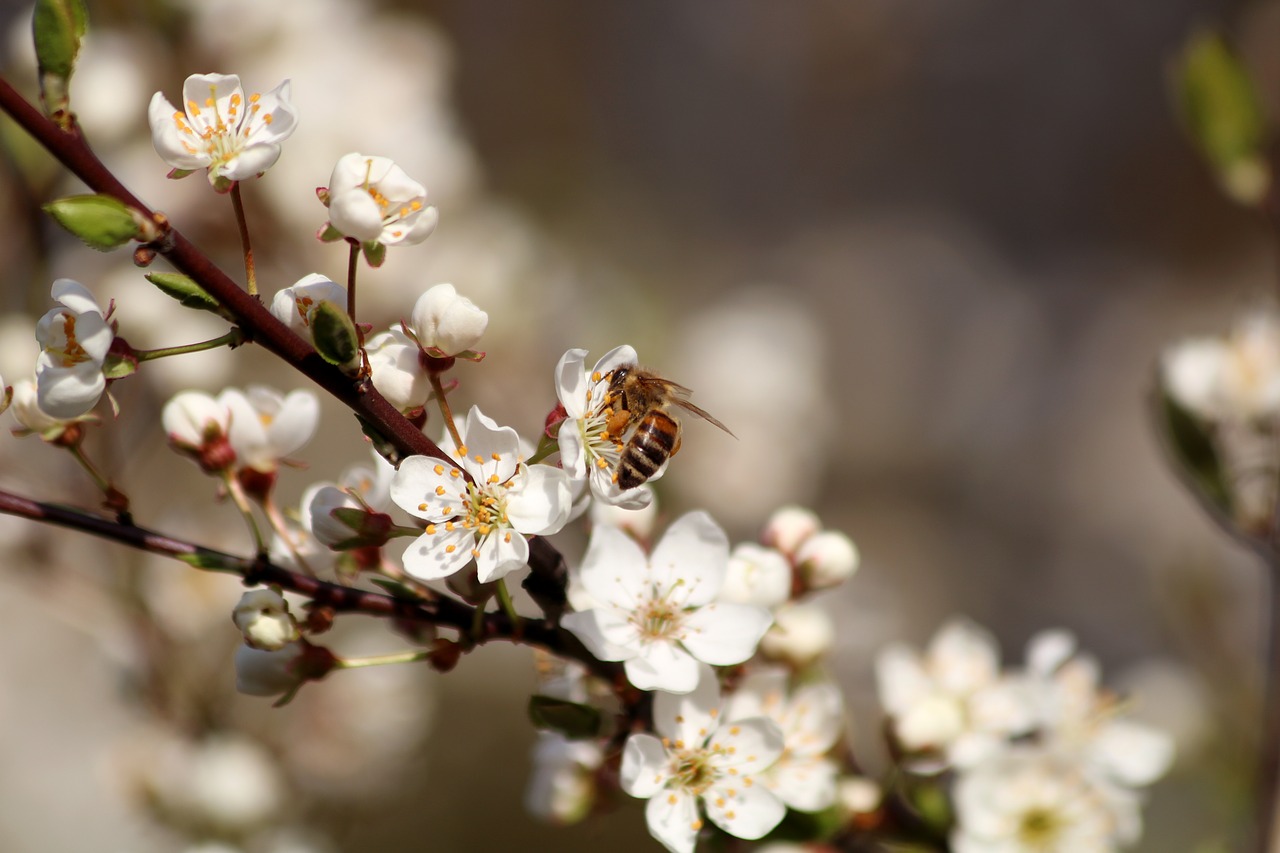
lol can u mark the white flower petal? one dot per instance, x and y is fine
(74, 296)
(422, 487)
(663, 665)
(724, 634)
(644, 766)
(805, 784)
(438, 555)
(68, 392)
(744, 811)
(571, 386)
(295, 423)
(901, 679)
(492, 451)
(1133, 754)
(171, 143)
(591, 627)
(672, 817)
(539, 502)
(749, 746)
(963, 656)
(614, 568)
(694, 551)
(501, 552)
(689, 717)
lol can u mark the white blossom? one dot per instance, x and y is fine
(266, 425)
(810, 718)
(702, 762)
(1232, 378)
(30, 417)
(74, 341)
(266, 673)
(198, 425)
(659, 613)
(397, 369)
(757, 575)
(233, 137)
(487, 519)
(263, 617)
(953, 700)
(293, 305)
(801, 634)
(562, 787)
(371, 199)
(587, 452)
(639, 521)
(788, 526)
(1027, 800)
(826, 558)
(445, 323)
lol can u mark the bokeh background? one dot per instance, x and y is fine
(921, 257)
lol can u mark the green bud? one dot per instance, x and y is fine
(1222, 113)
(1195, 453)
(102, 222)
(574, 721)
(334, 335)
(186, 291)
(57, 27)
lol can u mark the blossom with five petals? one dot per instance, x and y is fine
(702, 757)
(487, 518)
(266, 426)
(372, 200)
(659, 613)
(233, 137)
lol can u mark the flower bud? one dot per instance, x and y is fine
(29, 415)
(757, 575)
(340, 522)
(858, 794)
(293, 305)
(197, 425)
(801, 634)
(788, 527)
(446, 322)
(263, 617)
(826, 558)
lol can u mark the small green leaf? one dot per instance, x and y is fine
(102, 222)
(808, 826)
(186, 291)
(374, 253)
(571, 719)
(334, 335)
(1193, 447)
(118, 366)
(212, 560)
(1224, 116)
(57, 27)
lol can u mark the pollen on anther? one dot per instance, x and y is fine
(439, 469)
(493, 478)
(431, 528)
(697, 824)
(449, 549)
(671, 798)
(449, 525)
(478, 458)
(733, 730)
(440, 490)
(422, 507)
(475, 552)
(506, 538)
(595, 376)
(462, 450)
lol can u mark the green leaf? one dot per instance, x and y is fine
(571, 719)
(212, 560)
(119, 366)
(374, 253)
(186, 291)
(334, 335)
(102, 222)
(1224, 116)
(1193, 448)
(57, 27)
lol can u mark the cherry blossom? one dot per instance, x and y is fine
(700, 761)
(1233, 378)
(232, 136)
(757, 575)
(372, 200)
(263, 617)
(446, 324)
(810, 718)
(587, 452)
(293, 305)
(486, 518)
(397, 370)
(74, 341)
(266, 425)
(659, 613)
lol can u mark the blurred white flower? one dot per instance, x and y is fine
(1232, 378)
(562, 787)
(858, 794)
(485, 520)
(658, 613)
(266, 673)
(233, 137)
(27, 412)
(74, 341)
(293, 305)
(757, 575)
(371, 199)
(953, 700)
(810, 717)
(444, 323)
(638, 522)
(263, 617)
(702, 758)
(198, 425)
(826, 559)
(801, 634)
(1029, 801)
(266, 425)
(223, 785)
(788, 526)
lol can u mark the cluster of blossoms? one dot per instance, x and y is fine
(1042, 755)
(1223, 395)
(745, 724)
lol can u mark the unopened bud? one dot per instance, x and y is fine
(341, 522)
(263, 673)
(788, 527)
(757, 575)
(447, 323)
(263, 617)
(858, 794)
(826, 558)
(801, 634)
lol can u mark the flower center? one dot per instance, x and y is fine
(660, 618)
(693, 770)
(1039, 828)
(72, 353)
(486, 508)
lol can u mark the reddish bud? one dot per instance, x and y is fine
(256, 484)
(445, 656)
(551, 426)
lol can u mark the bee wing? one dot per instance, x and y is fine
(702, 413)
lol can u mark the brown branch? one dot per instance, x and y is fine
(255, 321)
(441, 612)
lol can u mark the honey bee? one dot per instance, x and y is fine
(640, 397)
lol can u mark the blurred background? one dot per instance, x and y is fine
(921, 257)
